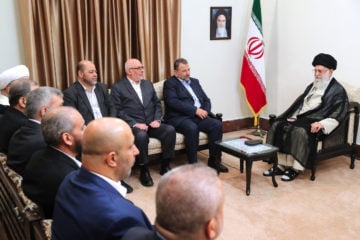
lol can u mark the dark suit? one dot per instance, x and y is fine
(43, 175)
(130, 108)
(139, 233)
(24, 142)
(87, 207)
(180, 112)
(75, 96)
(11, 121)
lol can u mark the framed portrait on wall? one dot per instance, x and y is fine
(220, 23)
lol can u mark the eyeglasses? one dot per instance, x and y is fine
(137, 68)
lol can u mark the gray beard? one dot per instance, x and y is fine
(221, 32)
(321, 83)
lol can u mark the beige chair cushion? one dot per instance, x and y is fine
(154, 144)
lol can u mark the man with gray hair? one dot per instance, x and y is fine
(189, 205)
(14, 116)
(28, 139)
(62, 129)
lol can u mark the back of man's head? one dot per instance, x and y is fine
(20, 89)
(58, 121)
(42, 97)
(187, 199)
(108, 148)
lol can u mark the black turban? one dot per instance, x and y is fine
(325, 60)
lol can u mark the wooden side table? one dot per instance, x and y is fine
(249, 154)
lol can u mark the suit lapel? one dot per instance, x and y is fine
(83, 96)
(133, 92)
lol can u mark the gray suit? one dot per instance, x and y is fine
(130, 108)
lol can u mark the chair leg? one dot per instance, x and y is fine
(352, 162)
(313, 170)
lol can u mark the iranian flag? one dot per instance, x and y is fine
(253, 68)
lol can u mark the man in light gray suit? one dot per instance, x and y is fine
(136, 103)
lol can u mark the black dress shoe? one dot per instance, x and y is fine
(217, 166)
(129, 189)
(145, 177)
(164, 170)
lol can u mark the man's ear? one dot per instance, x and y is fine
(22, 102)
(212, 229)
(110, 159)
(67, 138)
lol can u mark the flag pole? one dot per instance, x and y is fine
(258, 132)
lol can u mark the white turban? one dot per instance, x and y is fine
(12, 74)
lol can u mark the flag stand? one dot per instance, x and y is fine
(258, 132)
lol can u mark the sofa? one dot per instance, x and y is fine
(155, 145)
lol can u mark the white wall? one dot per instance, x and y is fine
(294, 31)
(11, 46)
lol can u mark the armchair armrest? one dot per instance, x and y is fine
(272, 118)
(216, 115)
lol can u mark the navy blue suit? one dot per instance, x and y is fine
(75, 96)
(87, 207)
(180, 112)
(130, 108)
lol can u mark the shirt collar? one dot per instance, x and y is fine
(117, 185)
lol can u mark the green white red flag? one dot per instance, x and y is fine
(253, 68)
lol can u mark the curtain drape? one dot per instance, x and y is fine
(60, 33)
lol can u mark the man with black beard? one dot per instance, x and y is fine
(62, 128)
(321, 107)
(90, 97)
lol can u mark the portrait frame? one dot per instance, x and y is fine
(215, 12)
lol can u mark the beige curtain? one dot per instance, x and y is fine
(60, 33)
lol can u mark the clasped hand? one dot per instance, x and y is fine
(201, 113)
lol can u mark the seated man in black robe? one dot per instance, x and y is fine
(321, 107)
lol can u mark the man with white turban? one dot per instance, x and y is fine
(8, 76)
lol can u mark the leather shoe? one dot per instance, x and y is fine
(218, 166)
(145, 177)
(278, 171)
(129, 189)
(164, 170)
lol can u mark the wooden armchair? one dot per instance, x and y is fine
(342, 141)
(20, 217)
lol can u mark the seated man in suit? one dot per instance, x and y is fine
(321, 107)
(189, 205)
(62, 128)
(90, 97)
(7, 77)
(187, 108)
(90, 203)
(28, 139)
(136, 102)
(14, 116)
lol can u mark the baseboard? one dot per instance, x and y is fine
(238, 124)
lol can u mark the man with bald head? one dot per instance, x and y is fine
(90, 97)
(136, 102)
(91, 203)
(189, 205)
(62, 128)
